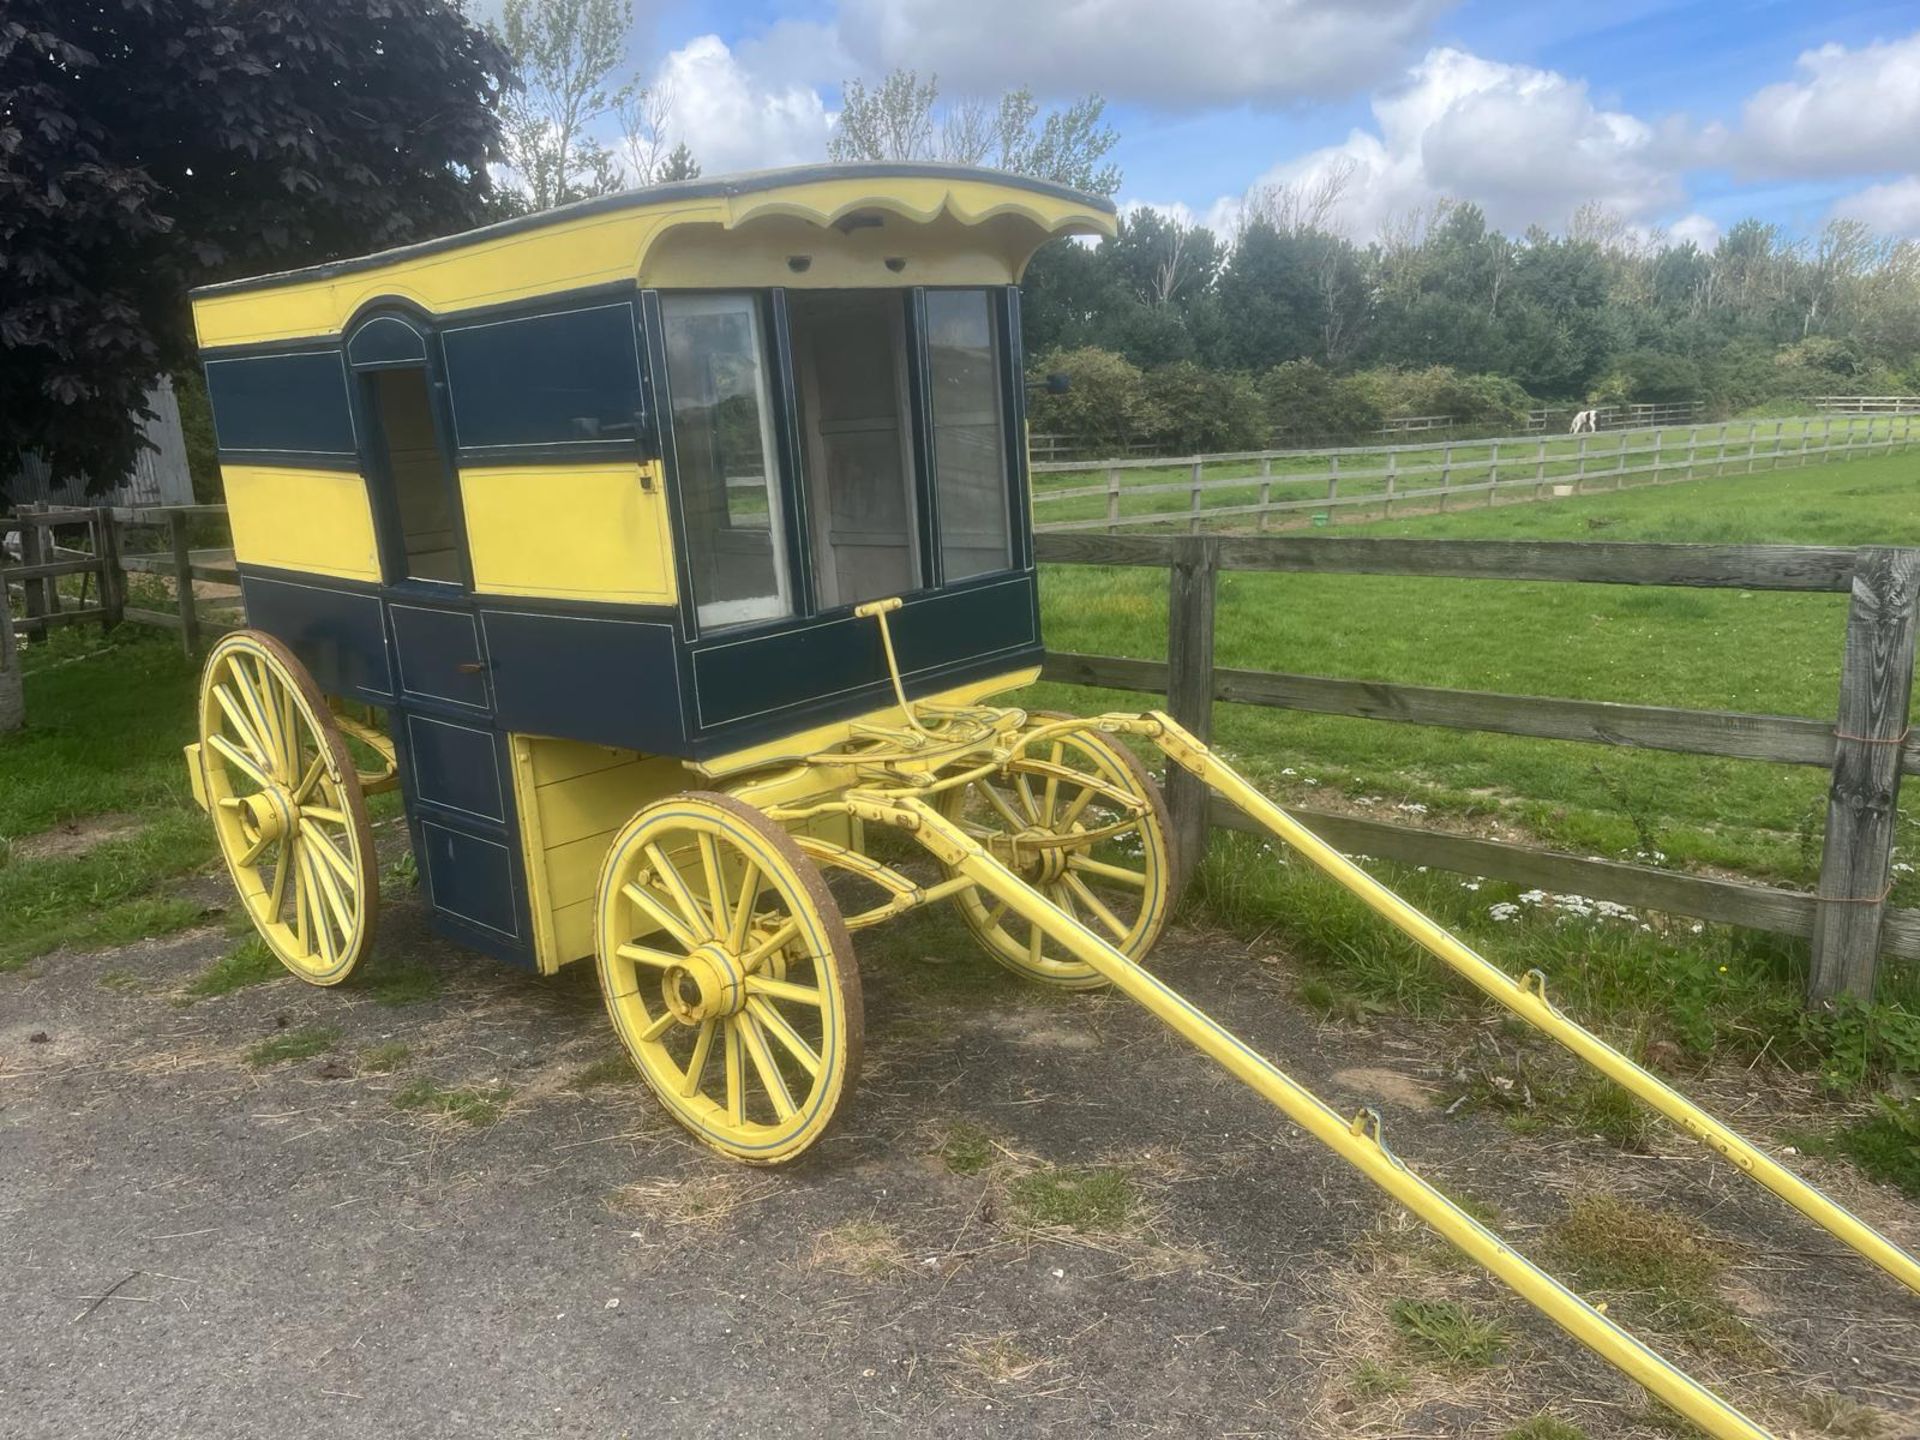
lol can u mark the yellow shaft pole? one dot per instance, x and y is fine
(1352, 1140)
(1530, 1003)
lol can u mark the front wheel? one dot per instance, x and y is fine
(1080, 820)
(729, 975)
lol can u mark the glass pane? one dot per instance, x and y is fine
(850, 372)
(969, 434)
(417, 473)
(570, 378)
(723, 448)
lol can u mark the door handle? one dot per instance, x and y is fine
(470, 667)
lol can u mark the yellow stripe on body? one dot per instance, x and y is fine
(570, 532)
(316, 521)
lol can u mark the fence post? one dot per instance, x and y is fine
(1493, 473)
(33, 551)
(1876, 688)
(1266, 491)
(1333, 485)
(1720, 460)
(1540, 470)
(183, 583)
(1826, 441)
(1446, 475)
(113, 579)
(1753, 442)
(1693, 444)
(1658, 436)
(1113, 500)
(1192, 588)
(1193, 501)
(1620, 461)
(1393, 479)
(1779, 443)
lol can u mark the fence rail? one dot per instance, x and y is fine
(1866, 749)
(105, 563)
(1868, 404)
(1323, 484)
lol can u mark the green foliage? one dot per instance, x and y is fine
(967, 1150)
(1204, 410)
(1307, 404)
(384, 1059)
(1449, 1334)
(1489, 402)
(1886, 1144)
(1545, 1427)
(153, 144)
(567, 54)
(1106, 404)
(469, 1104)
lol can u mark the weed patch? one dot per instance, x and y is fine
(1098, 1199)
(1885, 1145)
(613, 1070)
(1653, 1266)
(301, 1044)
(862, 1249)
(248, 963)
(1545, 1427)
(469, 1104)
(967, 1149)
(406, 984)
(384, 1059)
(1449, 1334)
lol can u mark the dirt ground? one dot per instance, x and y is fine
(192, 1245)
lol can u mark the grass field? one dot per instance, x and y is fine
(1738, 447)
(1720, 649)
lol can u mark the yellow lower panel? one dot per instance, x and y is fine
(570, 532)
(573, 799)
(317, 521)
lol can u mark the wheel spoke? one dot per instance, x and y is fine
(1136, 879)
(773, 1021)
(1073, 811)
(274, 754)
(1027, 802)
(786, 990)
(281, 869)
(1093, 903)
(322, 922)
(660, 1025)
(657, 911)
(1051, 794)
(242, 725)
(766, 947)
(771, 1080)
(697, 1062)
(329, 887)
(742, 926)
(328, 851)
(736, 1076)
(324, 812)
(307, 781)
(998, 802)
(256, 850)
(683, 896)
(1036, 937)
(710, 871)
(642, 955)
(302, 901)
(240, 760)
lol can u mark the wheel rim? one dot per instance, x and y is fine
(286, 808)
(1103, 862)
(745, 1016)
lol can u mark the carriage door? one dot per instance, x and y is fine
(453, 757)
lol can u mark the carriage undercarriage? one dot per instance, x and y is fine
(726, 961)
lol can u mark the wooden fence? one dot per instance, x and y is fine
(1375, 478)
(105, 560)
(1868, 404)
(1866, 748)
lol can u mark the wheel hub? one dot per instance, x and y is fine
(709, 983)
(268, 815)
(1038, 857)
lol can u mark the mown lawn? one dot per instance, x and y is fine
(1716, 649)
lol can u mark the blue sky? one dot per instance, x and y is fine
(1677, 114)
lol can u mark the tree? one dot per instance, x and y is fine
(146, 145)
(901, 119)
(566, 53)
(680, 165)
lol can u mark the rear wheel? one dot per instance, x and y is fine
(729, 975)
(1081, 821)
(287, 807)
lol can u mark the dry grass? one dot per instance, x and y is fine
(999, 1359)
(860, 1250)
(696, 1201)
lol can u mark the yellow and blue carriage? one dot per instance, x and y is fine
(662, 547)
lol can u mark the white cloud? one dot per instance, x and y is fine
(1891, 209)
(1194, 53)
(1850, 110)
(1697, 228)
(737, 117)
(1529, 146)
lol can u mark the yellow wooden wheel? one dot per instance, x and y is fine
(729, 975)
(1079, 819)
(287, 807)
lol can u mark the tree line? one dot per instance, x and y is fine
(1289, 325)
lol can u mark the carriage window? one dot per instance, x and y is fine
(850, 372)
(723, 448)
(969, 436)
(412, 460)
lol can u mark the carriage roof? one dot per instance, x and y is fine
(813, 226)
